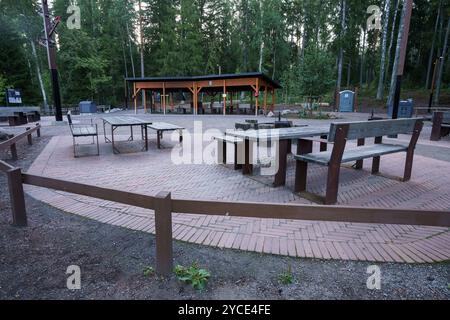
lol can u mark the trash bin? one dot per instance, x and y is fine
(405, 109)
(346, 101)
(87, 107)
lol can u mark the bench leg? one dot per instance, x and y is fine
(332, 184)
(408, 165)
(301, 167)
(158, 139)
(359, 163)
(280, 176)
(13, 149)
(436, 129)
(248, 157)
(221, 152)
(98, 147)
(181, 136)
(237, 156)
(323, 146)
(376, 160)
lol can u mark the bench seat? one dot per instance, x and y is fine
(358, 153)
(164, 126)
(83, 131)
(229, 139)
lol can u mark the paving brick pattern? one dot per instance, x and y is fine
(151, 172)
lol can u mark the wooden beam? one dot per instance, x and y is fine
(164, 98)
(145, 100)
(265, 99)
(224, 97)
(257, 96)
(134, 98)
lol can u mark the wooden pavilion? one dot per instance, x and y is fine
(226, 84)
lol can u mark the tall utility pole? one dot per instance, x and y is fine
(141, 40)
(50, 43)
(403, 46)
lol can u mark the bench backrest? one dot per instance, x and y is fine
(445, 116)
(377, 128)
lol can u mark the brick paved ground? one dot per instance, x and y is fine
(152, 171)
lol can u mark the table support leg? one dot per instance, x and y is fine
(280, 176)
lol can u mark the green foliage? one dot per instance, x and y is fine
(286, 277)
(2, 87)
(296, 41)
(149, 271)
(194, 275)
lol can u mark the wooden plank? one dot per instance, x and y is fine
(5, 166)
(15, 139)
(253, 209)
(133, 199)
(353, 154)
(314, 212)
(164, 126)
(366, 129)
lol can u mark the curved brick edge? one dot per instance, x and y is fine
(199, 229)
(310, 239)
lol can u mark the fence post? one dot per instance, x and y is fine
(16, 194)
(13, 149)
(29, 137)
(38, 131)
(163, 233)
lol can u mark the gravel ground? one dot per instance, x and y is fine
(33, 263)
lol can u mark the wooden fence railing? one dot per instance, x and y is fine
(11, 143)
(164, 206)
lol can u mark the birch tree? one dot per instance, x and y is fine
(380, 89)
(441, 65)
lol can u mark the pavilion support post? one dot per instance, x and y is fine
(164, 98)
(144, 97)
(224, 97)
(231, 102)
(265, 99)
(273, 99)
(256, 96)
(195, 102)
(134, 98)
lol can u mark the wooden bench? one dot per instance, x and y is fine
(161, 127)
(222, 150)
(441, 125)
(82, 130)
(339, 134)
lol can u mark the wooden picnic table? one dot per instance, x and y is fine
(284, 136)
(126, 121)
(161, 127)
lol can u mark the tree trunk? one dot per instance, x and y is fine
(261, 46)
(391, 42)
(361, 70)
(441, 65)
(383, 51)
(431, 56)
(39, 75)
(397, 58)
(341, 49)
(131, 52)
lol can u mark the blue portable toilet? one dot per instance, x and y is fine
(346, 101)
(87, 107)
(405, 109)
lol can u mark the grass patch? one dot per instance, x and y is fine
(149, 271)
(197, 277)
(286, 277)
